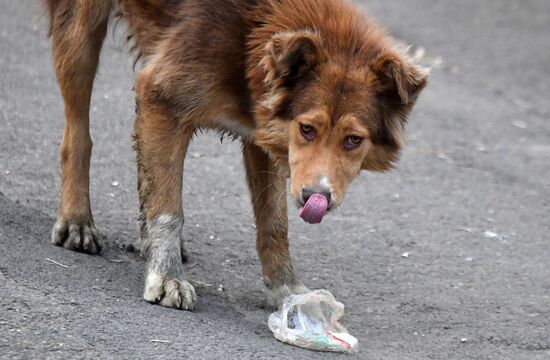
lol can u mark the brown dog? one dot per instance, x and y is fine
(314, 88)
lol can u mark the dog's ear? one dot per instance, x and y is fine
(398, 82)
(398, 77)
(289, 56)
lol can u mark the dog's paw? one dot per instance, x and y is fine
(169, 292)
(277, 294)
(75, 236)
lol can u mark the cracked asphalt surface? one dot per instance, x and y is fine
(469, 204)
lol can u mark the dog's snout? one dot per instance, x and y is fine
(307, 192)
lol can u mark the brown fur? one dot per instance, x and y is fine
(263, 70)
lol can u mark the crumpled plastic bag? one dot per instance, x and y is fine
(311, 321)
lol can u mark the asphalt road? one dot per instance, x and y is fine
(470, 204)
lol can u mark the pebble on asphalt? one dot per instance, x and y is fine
(490, 234)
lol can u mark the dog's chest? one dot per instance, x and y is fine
(235, 128)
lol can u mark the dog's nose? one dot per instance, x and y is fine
(307, 192)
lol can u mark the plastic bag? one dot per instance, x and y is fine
(311, 321)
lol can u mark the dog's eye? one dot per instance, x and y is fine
(352, 142)
(308, 131)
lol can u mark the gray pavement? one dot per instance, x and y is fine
(469, 203)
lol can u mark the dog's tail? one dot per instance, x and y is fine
(89, 13)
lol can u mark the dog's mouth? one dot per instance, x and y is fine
(314, 209)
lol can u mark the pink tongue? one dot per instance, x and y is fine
(314, 209)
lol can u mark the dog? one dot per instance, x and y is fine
(315, 90)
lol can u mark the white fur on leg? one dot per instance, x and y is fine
(164, 283)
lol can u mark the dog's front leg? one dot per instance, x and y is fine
(268, 192)
(78, 32)
(160, 142)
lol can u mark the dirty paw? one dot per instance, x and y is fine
(76, 236)
(277, 294)
(169, 292)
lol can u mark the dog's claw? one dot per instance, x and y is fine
(82, 237)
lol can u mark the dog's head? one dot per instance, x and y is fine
(328, 113)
